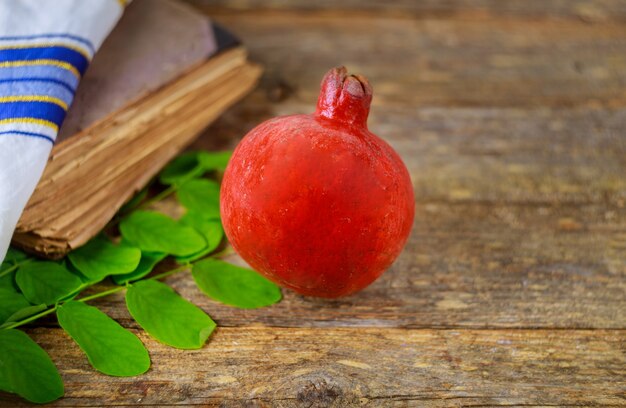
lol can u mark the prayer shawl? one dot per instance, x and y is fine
(45, 48)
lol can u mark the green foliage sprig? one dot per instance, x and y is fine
(31, 289)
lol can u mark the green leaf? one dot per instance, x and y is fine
(100, 257)
(201, 196)
(214, 160)
(193, 164)
(6, 265)
(14, 259)
(183, 167)
(26, 369)
(168, 317)
(22, 314)
(211, 230)
(70, 267)
(11, 302)
(146, 265)
(7, 280)
(110, 348)
(15, 255)
(233, 285)
(134, 202)
(154, 232)
(46, 282)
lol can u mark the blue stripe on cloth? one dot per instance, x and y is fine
(51, 81)
(31, 70)
(35, 87)
(40, 71)
(52, 35)
(59, 53)
(36, 110)
(31, 134)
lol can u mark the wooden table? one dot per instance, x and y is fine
(511, 117)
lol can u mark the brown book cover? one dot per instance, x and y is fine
(162, 76)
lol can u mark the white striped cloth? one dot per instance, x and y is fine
(45, 48)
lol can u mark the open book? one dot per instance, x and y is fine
(161, 77)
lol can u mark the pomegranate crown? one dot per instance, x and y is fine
(345, 98)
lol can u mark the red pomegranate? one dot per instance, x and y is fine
(318, 203)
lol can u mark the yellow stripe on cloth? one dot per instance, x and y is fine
(34, 121)
(34, 98)
(47, 44)
(55, 63)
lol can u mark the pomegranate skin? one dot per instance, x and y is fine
(317, 203)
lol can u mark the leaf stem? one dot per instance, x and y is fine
(171, 272)
(116, 289)
(96, 296)
(172, 188)
(31, 318)
(163, 194)
(120, 288)
(14, 267)
(142, 205)
(101, 294)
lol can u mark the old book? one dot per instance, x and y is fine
(163, 75)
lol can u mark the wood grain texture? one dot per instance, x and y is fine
(265, 367)
(508, 61)
(596, 10)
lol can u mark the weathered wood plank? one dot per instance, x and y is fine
(445, 62)
(359, 367)
(523, 156)
(596, 10)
